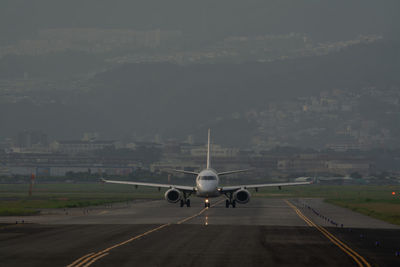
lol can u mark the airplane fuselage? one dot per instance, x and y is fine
(207, 184)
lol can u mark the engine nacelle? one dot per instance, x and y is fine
(241, 196)
(173, 195)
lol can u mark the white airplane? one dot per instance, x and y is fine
(207, 186)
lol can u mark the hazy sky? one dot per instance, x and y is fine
(321, 18)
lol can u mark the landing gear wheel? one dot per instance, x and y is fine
(188, 203)
(209, 204)
(227, 202)
(182, 203)
(234, 204)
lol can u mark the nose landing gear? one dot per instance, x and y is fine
(207, 203)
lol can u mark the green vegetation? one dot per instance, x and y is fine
(371, 200)
(386, 210)
(14, 199)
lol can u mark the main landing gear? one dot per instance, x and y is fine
(185, 200)
(229, 201)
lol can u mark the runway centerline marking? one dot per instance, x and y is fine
(350, 252)
(197, 214)
(91, 258)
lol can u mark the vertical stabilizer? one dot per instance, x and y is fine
(208, 149)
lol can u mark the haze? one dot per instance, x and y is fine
(129, 70)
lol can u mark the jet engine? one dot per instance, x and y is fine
(173, 195)
(241, 196)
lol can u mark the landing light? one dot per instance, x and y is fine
(206, 200)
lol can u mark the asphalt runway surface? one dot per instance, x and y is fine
(264, 232)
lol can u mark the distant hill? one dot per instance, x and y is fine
(158, 94)
(50, 66)
(177, 100)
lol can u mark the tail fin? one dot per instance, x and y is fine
(208, 150)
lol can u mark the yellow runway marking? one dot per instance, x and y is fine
(81, 258)
(90, 258)
(95, 259)
(197, 214)
(354, 255)
(191, 217)
(103, 212)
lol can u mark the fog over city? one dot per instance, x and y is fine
(135, 69)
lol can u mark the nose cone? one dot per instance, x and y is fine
(207, 187)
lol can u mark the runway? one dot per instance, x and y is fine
(264, 232)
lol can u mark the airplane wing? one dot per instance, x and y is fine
(231, 172)
(180, 187)
(256, 186)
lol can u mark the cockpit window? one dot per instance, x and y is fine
(207, 178)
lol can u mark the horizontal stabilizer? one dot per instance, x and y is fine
(186, 172)
(231, 172)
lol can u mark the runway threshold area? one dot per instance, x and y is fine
(208, 237)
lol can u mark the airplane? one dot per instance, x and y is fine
(207, 186)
